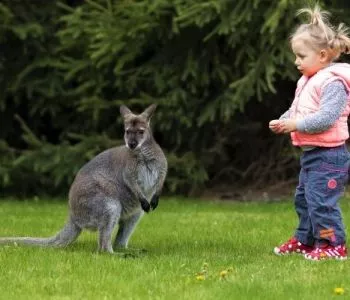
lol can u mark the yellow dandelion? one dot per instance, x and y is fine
(223, 273)
(200, 277)
(339, 291)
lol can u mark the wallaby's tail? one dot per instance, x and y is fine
(66, 236)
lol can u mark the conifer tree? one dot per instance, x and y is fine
(67, 66)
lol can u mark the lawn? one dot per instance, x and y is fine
(195, 250)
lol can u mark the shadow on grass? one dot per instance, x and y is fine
(90, 247)
(155, 248)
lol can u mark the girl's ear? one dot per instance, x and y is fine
(324, 56)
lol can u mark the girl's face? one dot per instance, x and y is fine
(308, 60)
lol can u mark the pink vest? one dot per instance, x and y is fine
(307, 101)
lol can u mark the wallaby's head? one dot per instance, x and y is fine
(137, 127)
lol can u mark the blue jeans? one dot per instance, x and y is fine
(322, 180)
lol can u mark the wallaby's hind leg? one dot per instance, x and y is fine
(126, 228)
(110, 218)
(105, 235)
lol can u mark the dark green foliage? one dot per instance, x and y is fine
(219, 70)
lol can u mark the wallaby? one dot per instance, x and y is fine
(116, 186)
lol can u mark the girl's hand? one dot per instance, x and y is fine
(288, 125)
(274, 126)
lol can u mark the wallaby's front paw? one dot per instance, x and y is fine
(154, 202)
(145, 205)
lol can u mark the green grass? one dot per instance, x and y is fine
(180, 237)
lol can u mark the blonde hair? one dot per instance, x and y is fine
(321, 34)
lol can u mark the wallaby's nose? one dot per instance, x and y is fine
(132, 145)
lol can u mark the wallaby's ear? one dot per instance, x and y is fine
(149, 111)
(124, 111)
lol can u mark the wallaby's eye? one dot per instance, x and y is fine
(127, 131)
(140, 132)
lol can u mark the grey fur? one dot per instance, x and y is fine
(116, 186)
